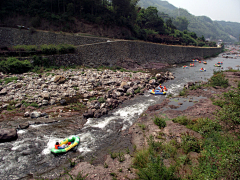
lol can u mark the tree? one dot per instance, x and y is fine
(153, 21)
(181, 23)
(169, 23)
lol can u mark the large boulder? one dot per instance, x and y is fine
(35, 114)
(8, 135)
(59, 79)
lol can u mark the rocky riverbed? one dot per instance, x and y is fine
(31, 98)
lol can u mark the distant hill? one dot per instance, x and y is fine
(201, 25)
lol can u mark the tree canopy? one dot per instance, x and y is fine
(145, 24)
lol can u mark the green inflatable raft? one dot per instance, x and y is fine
(74, 142)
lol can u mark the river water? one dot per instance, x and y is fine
(29, 156)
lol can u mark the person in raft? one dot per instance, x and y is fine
(160, 86)
(164, 87)
(202, 69)
(57, 145)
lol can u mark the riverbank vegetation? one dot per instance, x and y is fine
(40, 64)
(216, 155)
(143, 23)
(29, 50)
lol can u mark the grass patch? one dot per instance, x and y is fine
(218, 79)
(142, 126)
(101, 100)
(92, 98)
(137, 91)
(11, 79)
(183, 92)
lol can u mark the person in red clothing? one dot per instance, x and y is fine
(56, 145)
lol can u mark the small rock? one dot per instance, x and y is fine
(63, 102)
(59, 79)
(18, 105)
(45, 102)
(52, 101)
(24, 125)
(3, 91)
(43, 114)
(26, 114)
(5, 105)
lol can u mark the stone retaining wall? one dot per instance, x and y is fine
(93, 51)
(14, 36)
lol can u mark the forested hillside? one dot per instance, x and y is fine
(201, 25)
(135, 23)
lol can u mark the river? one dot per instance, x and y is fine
(29, 156)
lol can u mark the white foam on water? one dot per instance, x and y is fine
(85, 138)
(51, 141)
(21, 131)
(104, 123)
(128, 113)
(38, 125)
(151, 100)
(18, 144)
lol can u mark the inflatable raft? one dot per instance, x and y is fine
(185, 67)
(204, 62)
(217, 65)
(202, 70)
(157, 92)
(74, 142)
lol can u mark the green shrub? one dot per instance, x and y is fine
(141, 158)
(113, 155)
(190, 143)
(219, 102)
(205, 125)
(183, 92)
(218, 79)
(160, 122)
(156, 170)
(13, 65)
(182, 120)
